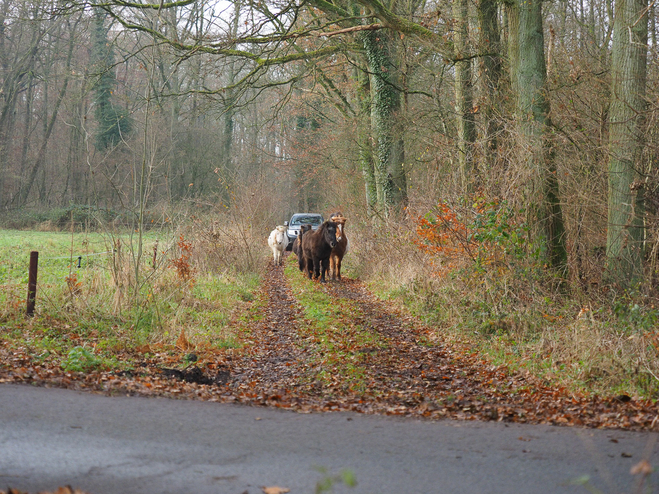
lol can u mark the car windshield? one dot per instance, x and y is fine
(306, 220)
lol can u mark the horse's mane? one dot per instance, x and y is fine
(325, 224)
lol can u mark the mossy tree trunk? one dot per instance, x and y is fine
(626, 232)
(490, 74)
(529, 76)
(364, 141)
(464, 95)
(388, 156)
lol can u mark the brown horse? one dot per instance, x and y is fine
(297, 243)
(341, 247)
(315, 249)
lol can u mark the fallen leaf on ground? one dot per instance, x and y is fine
(642, 467)
(275, 490)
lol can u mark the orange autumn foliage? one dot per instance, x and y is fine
(182, 264)
(482, 235)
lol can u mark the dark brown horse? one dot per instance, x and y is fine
(316, 247)
(296, 245)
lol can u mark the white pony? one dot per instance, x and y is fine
(278, 241)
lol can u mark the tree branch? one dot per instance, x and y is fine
(369, 27)
(143, 6)
(405, 26)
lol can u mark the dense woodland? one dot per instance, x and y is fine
(441, 113)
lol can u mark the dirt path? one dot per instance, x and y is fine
(405, 372)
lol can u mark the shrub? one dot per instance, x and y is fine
(79, 359)
(487, 234)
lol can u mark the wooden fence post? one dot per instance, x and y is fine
(32, 282)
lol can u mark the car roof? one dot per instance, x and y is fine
(301, 217)
(296, 215)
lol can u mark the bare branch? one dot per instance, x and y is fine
(369, 27)
(143, 6)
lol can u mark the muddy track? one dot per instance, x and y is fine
(273, 362)
(409, 373)
(407, 370)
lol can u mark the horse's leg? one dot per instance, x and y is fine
(332, 261)
(316, 267)
(337, 266)
(324, 268)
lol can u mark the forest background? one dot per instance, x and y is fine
(497, 161)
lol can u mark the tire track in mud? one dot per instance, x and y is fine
(272, 364)
(410, 372)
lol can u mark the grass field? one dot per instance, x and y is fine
(61, 256)
(91, 311)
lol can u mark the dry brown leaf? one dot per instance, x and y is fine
(642, 467)
(60, 490)
(275, 490)
(182, 342)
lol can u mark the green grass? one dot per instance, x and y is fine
(58, 254)
(333, 343)
(95, 316)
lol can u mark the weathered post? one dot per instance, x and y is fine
(155, 255)
(32, 283)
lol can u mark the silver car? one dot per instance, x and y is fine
(296, 222)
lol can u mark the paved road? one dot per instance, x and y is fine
(122, 445)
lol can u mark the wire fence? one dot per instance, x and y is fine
(78, 258)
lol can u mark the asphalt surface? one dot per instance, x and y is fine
(122, 445)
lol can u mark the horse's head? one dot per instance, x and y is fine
(280, 236)
(340, 221)
(329, 233)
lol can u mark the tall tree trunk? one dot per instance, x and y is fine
(526, 45)
(464, 99)
(76, 177)
(625, 234)
(390, 175)
(228, 171)
(653, 24)
(15, 67)
(27, 126)
(364, 141)
(490, 67)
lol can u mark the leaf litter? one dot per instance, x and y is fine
(403, 369)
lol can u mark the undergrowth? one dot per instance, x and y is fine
(469, 272)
